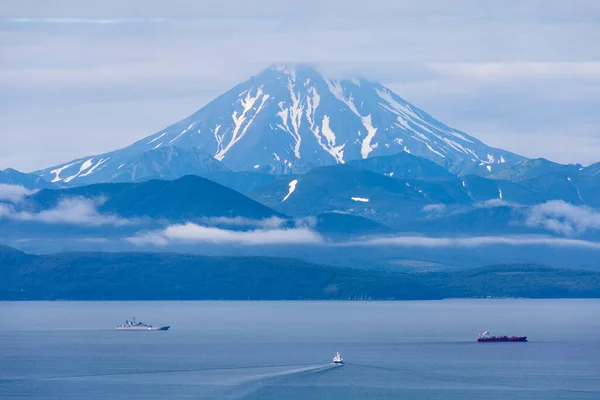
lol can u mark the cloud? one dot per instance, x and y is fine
(556, 216)
(13, 193)
(435, 208)
(563, 218)
(267, 223)
(441, 210)
(435, 211)
(476, 241)
(74, 210)
(80, 21)
(306, 222)
(192, 233)
(493, 203)
(510, 71)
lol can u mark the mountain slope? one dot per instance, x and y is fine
(154, 276)
(548, 180)
(482, 189)
(167, 163)
(336, 225)
(242, 182)
(403, 165)
(520, 280)
(187, 198)
(134, 164)
(534, 168)
(289, 119)
(436, 205)
(592, 170)
(29, 181)
(348, 189)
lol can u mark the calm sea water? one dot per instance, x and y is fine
(282, 350)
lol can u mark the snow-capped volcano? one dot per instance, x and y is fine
(289, 118)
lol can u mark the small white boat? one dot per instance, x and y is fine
(338, 359)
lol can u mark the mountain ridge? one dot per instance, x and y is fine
(187, 198)
(172, 276)
(289, 119)
(11, 176)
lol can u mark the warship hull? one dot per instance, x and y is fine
(142, 328)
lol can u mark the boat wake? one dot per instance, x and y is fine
(254, 372)
(247, 387)
(224, 383)
(303, 370)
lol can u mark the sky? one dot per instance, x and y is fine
(80, 77)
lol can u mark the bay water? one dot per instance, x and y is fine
(283, 350)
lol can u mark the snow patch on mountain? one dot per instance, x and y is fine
(183, 132)
(329, 145)
(82, 168)
(98, 164)
(157, 138)
(336, 89)
(239, 119)
(292, 187)
(434, 151)
(337, 152)
(57, 172)
(366, 147)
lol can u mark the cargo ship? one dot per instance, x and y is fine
(485, 337)
(134, 325)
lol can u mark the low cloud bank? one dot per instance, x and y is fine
(563, 218)
(555, 216)
(440, 209)
(13, 193)
(493, 203)
(191, 233)
(436, 208)
(75, 210)
(267, 223)
(475, 241)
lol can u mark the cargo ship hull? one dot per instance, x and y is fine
(503, 339)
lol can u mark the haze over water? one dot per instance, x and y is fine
(276, 350)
